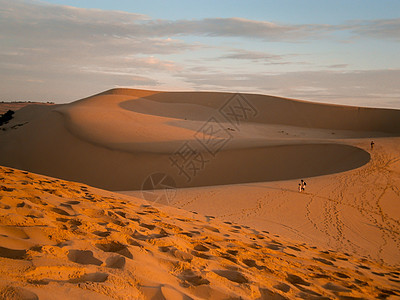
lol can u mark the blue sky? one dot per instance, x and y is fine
(297, 11)
(327, 51)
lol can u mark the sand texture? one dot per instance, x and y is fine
(194, 195)
(66, 240)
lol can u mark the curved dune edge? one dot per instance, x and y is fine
(67, 240)
(96, 141)
(275, 163)
(54, 151)
(278, 110)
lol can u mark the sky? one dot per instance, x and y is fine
(344, 52)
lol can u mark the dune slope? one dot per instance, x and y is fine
(117, 139)
(66, 240)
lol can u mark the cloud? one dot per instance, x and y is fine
(92, 50)
(355, 87)
(62, 86)
(255, 56)
(261, 57)
(338, 66)
(382, 28)
(36, 20)
(234, 27)
(269, 31)
(43, 43)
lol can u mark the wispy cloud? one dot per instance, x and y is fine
(261, 57)
(59, 22)
(235, 27)
(383, 29)
(337, 66)
(256, 56)
(99, 48)
(94, 49)
(363, 87)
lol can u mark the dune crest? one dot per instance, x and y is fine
(116, 139)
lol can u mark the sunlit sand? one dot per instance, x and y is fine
(227, 220)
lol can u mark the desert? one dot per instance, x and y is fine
(140, 194)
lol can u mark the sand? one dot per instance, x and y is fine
(66, 240)
(109, 141)
(236, 157)
(355, 211)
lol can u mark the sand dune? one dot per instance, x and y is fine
(355, 211)
(66, 240)
(116, 139)
(237, 157)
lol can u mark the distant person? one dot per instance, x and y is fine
(303, 185)
(300, 188)
(372, 145)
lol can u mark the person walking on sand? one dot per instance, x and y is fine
(303, 185)
(372, 145)
(300, 188)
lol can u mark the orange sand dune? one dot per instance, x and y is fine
(66, 240)
(238, 157)
(116, 139)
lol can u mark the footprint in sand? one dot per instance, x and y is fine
(189, 234)
(60, 211)
(201, 248)
(200, 255)
(164, 248)
(341, 275)
(283, 287)
(191, 278)
(102, 233)
(324, 261)
(83, 257)
(148, 226)
(274, 246)
(116, 262)
(4, 206)
(296, 280)
(91, 277)
(213, 229)
(183, 256)
(73, 202)
(115, 247)
(6, 189)
(23, 204)
(232, 252)
(335, 287)
(253, 264)
(121, 213)
(229, 257)
(232, 275)
(294, 248)
(134, 243)
(212, 245)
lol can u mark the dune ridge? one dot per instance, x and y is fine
(116, 139)
(68, 240)
(279, 110)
